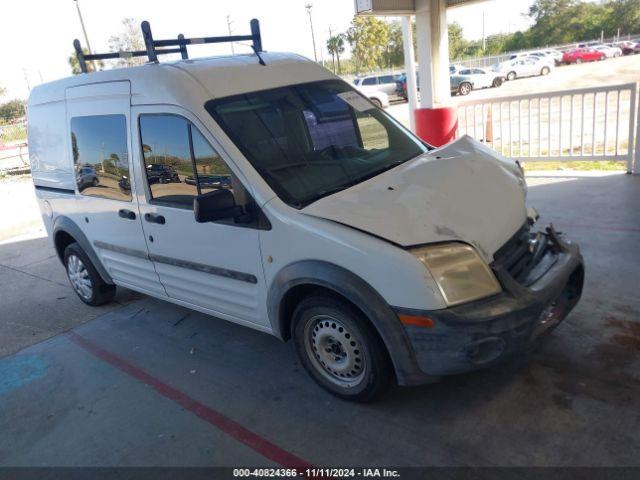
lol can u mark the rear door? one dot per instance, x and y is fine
(217, 266)
(106, 208)
(387, 84)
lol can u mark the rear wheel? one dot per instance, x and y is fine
(376, 102)
(578, 60)
(339, 348)
(497, 82)
(465, 88)
(85, 279)
(511, 76)
(545, 71)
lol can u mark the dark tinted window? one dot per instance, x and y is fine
(386, 79)
(370, 81)
(100, 156)
(174, 175)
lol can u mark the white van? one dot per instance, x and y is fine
(278, 197)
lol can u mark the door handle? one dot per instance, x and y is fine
(128, 214)
(154, 218)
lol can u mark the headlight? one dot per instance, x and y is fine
(461, 275)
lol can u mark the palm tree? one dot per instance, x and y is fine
(335, 45)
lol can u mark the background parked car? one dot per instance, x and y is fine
(379, 98)
(579, 55)
(526, 66)
(627, 47)
(160, 173)
(210, 181)
(609, 51)
(384, 83)
(87, 177)
(479, 78)
(401, 85)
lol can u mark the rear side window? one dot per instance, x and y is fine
(101, 157)
(179, 162)
(386, 79)
(370, 81)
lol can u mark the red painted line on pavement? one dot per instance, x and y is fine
(232, 428)
(600, 227)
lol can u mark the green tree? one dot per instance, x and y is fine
(394, 53)
(12, 110)
(335, 46)
(457, 43)
(368, 39)
(624, 15)
(129, 40)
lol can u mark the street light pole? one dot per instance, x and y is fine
(84, 32)
(309, 6)
(229, 29)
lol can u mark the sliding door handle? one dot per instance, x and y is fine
(154, 218)
(128, 214)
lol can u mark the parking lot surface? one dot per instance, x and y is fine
(143, 382)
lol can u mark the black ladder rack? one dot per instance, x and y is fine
(163, 47)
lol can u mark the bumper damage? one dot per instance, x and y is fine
(484, 332)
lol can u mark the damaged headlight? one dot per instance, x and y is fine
(460, 273)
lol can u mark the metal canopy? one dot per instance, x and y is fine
(398, 7)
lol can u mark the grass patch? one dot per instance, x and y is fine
(576, 165)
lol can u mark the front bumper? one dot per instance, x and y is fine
(484, 332)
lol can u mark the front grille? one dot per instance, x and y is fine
(519, 255)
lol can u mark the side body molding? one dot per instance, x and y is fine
(67, 225)
(361, 294)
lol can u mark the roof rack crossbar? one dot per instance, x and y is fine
(155, 47)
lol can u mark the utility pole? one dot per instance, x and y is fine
(84, 32)
(26, 78)
(229, 29)
(309, 6)
(484, 38)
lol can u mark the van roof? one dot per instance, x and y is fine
(204, 78)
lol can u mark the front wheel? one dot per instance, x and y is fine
(578, 60)
(511, 76)
(85, 279)
(339, 348)
(545, 71)
(497, 82)
(465, 88)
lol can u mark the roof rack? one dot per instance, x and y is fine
(160, 47)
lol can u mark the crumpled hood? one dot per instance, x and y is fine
(462, 191)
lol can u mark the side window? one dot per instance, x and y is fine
(176, 176)
(167, 159)
(100, 156)
(386, 79)
(370, 81)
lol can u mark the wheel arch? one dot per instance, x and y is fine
(298, 279)
(66, 231)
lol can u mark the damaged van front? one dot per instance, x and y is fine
(456, 210)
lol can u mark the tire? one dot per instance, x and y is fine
(512, 76)
(465, 88)
(95, 182)
(84, 278)
(376, 102)
(162, 180)
(545, 71)
(578, 61)
(497, 82)
(339, 348)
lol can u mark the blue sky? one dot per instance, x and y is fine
(36, 35)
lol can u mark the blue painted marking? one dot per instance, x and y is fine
(18, 371)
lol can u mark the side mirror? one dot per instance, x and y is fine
(215, 205)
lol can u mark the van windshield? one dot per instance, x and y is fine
(313, 139)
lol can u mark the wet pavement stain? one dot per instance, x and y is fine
(18, 371)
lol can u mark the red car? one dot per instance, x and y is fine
(579, 55)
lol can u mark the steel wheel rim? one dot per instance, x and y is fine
(335, 351)
(79, 277)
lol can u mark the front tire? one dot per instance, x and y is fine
(545, 71)
(511, 76)
(339, 348)
(497, 82)
(578, 61)
(376, 102)
(85, 279)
